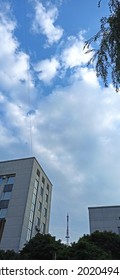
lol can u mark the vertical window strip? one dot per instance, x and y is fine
(32, 211)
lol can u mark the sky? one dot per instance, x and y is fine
(53, 107)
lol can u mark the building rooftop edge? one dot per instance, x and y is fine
(27, 158)
(96, 207)
(18, 159)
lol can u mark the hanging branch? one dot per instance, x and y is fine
(107, 56)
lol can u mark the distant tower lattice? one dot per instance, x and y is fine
(67, 231)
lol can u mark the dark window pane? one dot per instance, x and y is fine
(1, 179)
(2, 224)
(43, 180)
(45, 213)
(4, 204)
(8, 188)
(38, 172)
(46, 197)
(41, 191)
(40, 206)
(43, 228)
(38, 221)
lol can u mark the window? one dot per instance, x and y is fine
(6, 196)
(35, 191)
(7, 188)
(2, 224)
(32, 207)
(38, 222)
(43, 228)
(48, 187)
(38, 172)
(46, 198)
(31, 216)
(32, 210)
(10, 179)
(28, 234)
(36, 184)
(40, 206)
(41, 191)
(30, 225)
(4, 204)
(45, 212)
(1, 180)
(35, 187)
(3, 213)
(33, 199)
(43, 180)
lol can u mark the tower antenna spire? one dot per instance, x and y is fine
(67, 231)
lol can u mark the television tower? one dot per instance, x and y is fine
(67, 231)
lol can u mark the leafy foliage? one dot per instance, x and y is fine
(86, 250)
(107, 241)
(107, 57)
(40, 247)
(9, 255)
(97, 246)
(43, 247)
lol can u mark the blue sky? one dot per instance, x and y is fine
(53, 107)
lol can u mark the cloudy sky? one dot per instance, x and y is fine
(53, 107)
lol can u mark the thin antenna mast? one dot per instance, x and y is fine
(67, 231)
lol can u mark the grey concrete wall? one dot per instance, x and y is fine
(17, 203)
(18, 213)
(104, 218)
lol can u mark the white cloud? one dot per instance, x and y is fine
(44, 22)
(14, 64)
(7, 29)
(6, 137)
(88, 75)
(74, 53)
(2, 98)
(47, 69)
(71, 56)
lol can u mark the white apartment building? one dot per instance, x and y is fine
(104, 218)
(25, 201)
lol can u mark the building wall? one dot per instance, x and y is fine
(104, 219)
(20, 223)
(33, 213)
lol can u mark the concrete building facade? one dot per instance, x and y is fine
(25, 201)
(104, 218)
